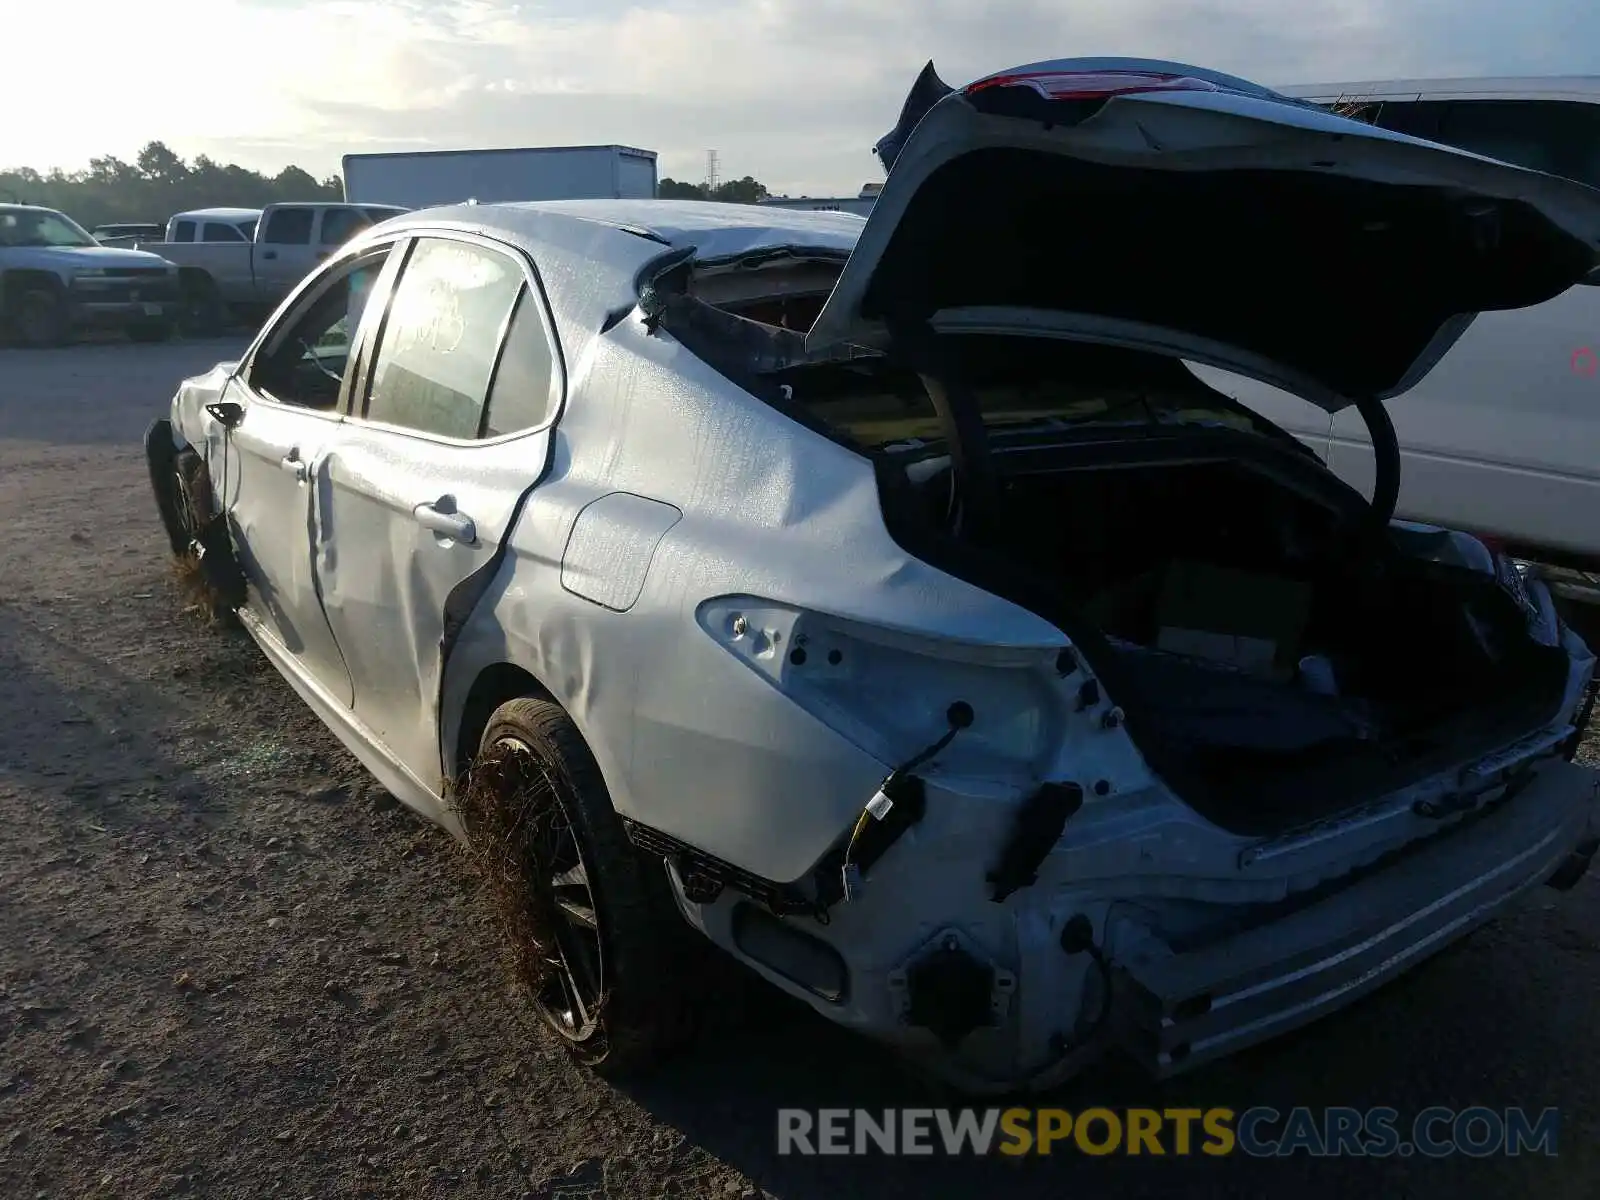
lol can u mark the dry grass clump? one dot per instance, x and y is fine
(507, 804)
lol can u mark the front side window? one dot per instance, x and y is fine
(219, 231)
(305, 362)
(289, 227)
(441, 338)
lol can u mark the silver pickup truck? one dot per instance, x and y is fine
(238, 263)
(1503, 436)
(55, 279)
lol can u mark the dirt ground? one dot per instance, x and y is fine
(231, 967)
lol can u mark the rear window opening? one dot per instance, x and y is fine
(785, 290)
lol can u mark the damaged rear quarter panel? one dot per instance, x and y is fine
(690, 740)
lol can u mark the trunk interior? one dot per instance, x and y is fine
(1277, 658)
(1278, 671)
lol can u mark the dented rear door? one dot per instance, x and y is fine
(427, 482)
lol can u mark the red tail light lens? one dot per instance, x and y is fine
(1091, 85)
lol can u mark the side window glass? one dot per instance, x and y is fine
(183, 231)
(307, 358)
(217, 231)
(289, 227)
(1557, 137)
(523, 394)
(1418, 118)
(440, 338)
(339, 225)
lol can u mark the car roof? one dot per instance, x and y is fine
(590, 253)
(219, 214)
(711, 229)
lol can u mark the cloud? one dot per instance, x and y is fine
(792, 91)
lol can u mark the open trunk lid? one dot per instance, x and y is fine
(1159, 206)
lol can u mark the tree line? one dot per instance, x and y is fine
(159, 183)
(734, 191)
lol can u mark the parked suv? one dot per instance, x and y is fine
(1503, 436)
(54, 278)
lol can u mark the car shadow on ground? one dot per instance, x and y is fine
(768, 1052)
(104, 741)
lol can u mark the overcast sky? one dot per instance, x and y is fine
(793, 92)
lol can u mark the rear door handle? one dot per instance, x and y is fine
(446, 522)
(269, 254)
(295, 465)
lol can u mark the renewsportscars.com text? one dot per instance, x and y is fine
(1258, 1132)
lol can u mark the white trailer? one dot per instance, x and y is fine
(423, 178)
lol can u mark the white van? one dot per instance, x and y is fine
(1503, 436)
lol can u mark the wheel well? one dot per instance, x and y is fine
(195, 279)
(492, 688)
(14, 283)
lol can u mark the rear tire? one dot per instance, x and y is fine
(207, 570)
(595, 935)
(204, 314)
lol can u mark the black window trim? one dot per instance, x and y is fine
(532, 288)
(310, 290)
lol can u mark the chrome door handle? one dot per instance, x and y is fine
(295, 465)
(454, 525)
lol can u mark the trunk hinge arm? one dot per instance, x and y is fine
(977, 485)
(1386, 453)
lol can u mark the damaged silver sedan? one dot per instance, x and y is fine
(885, 602)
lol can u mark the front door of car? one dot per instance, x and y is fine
(450, 436)
(293, 386)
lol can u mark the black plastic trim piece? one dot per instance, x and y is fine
(708, 875)
(1039, 824)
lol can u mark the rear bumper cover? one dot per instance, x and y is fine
(1176, 1011)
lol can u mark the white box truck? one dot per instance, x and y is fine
(424, 178)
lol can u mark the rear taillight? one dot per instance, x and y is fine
(1091, 85)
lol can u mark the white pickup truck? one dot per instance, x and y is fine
(1503, 436)
(238, 262)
